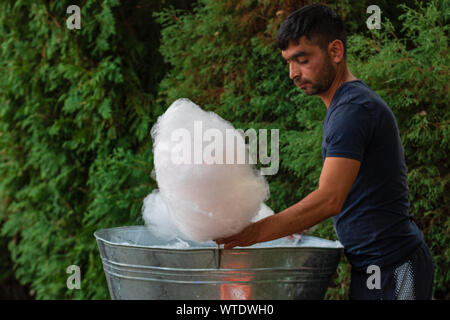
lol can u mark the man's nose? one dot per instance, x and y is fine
(294, 70)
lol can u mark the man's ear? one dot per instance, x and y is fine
(336, 50)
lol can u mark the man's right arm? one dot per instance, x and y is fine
(336, 180)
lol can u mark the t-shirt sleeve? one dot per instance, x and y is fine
(349, 132)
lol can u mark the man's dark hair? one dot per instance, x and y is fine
(318, 22)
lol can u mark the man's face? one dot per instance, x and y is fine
(310, 68)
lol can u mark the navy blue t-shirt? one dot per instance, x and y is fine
(374, 225)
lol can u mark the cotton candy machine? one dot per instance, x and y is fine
(138, 265)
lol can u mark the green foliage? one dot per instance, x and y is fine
(77, 107)
(76, 111)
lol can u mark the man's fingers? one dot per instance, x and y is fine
(221, 241)
(231, 245)
(228, 243)
(231, 241)
(227, 239)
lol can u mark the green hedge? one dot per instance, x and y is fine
(77, 107)
(76, 110)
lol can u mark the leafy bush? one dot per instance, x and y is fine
(77, 108)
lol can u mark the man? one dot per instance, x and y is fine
(362, 185)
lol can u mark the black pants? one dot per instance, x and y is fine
(411, 279)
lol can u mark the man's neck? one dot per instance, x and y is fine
(343, 75)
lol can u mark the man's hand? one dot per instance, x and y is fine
(251, 234)
(246, 237)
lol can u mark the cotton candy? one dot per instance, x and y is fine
(200, 201)
(157, 217)
(159, 222)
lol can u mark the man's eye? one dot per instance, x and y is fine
(303, 62)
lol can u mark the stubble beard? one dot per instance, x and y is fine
(326, 76)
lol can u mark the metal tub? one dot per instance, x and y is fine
(139, 265)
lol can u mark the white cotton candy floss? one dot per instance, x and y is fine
(157, 217)
(200, 196)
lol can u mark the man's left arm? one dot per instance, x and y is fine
(336, 179)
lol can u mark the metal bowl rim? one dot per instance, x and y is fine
(236, 249)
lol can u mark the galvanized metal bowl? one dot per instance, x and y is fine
(138, 265)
